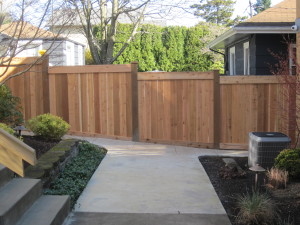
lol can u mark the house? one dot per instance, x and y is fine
(251, 45)
(26, 40)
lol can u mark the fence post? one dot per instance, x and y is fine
(135, 102)
(216, 110)
(46, 94)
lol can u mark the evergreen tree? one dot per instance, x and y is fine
(172, 48)
(215, 11)
(262, 5)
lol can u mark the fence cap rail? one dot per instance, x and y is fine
(126, 68)
(17, 61)
(176, 75)
(250, 79)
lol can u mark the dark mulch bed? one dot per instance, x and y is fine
(40, 145)
(288, 200)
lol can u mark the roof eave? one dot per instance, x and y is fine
(236, 33)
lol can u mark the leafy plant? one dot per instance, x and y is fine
(289, 160)
(256, 208)
(78, 172)
(277, 178)
(10, 109)
(48, 126)
(7, 128)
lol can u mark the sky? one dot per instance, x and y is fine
(241, 9)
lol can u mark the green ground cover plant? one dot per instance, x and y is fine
(78, 172)
(47, 126)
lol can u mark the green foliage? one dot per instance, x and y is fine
(289, 160)
(172, 48)
(78, 172)
(10, 109)
(262, 5)
(48, 126)
(216, 11)
(88, 57)
(7, 128)
(256, 208)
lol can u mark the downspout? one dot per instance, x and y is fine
(221, 53)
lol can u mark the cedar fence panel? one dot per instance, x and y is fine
(32, 87)
(250, 103)
(177, 108)
(95, 100)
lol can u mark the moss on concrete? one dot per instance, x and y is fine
(51, 159)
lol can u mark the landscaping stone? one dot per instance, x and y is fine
(53, 161)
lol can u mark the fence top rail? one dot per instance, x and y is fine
(250, 79)
(17, 61)
(176, 75)
(126, 68)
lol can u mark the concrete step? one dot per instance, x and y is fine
(47, 210)
(16, 197)
(5, 175)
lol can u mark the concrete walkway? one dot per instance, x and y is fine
(140, 183)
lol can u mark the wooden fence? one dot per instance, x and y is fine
(94, 99)
(199, 109)
(178, 108)
(247, 104)
(32, 87)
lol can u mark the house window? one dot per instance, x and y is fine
(232, 61)
(70, 54)
(246, 59)
(292, 59)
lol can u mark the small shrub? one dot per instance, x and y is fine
(256, 208)
(48, 126)
(7, 128)
(277, 178)
(10, 109)
(78, 172)
(289, 160)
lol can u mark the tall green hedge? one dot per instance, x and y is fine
(170, 48)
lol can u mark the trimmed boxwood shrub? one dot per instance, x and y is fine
(289, 160)
(78, 172)
(48, 126)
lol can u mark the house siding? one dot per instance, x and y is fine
(252, 49)
(76, 54)
(239, 58)
(57, 56)
(262, 48)
(266, 46)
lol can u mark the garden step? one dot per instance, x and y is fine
(47, 210)
(16, 197)
(5, 175)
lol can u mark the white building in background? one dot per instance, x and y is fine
(62, 51)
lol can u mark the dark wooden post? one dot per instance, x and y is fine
(46, 94)
(298, 64)
(217, 107)
(135, 102)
